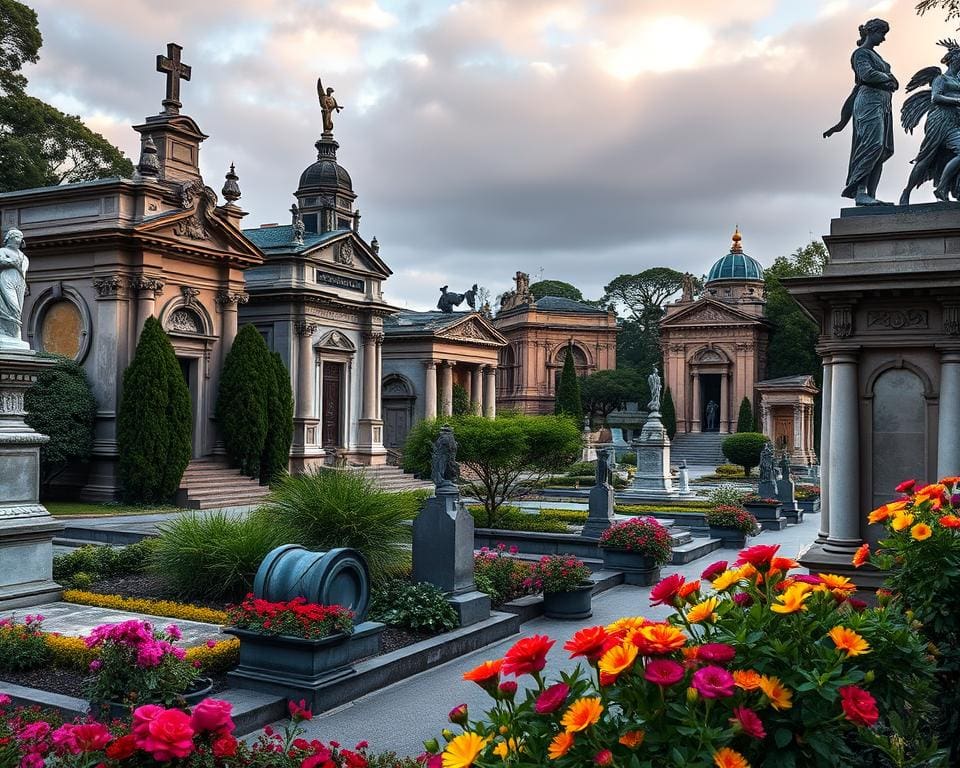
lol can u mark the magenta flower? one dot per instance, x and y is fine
(714, 570)
(716, 653)
(713, 682)
(552, 698)
(749, 722)
(663, 672)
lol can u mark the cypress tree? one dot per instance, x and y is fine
(154, 421)
(568, 401)
(243, 401)
(668, 413)
(745, 417)
(276, 450)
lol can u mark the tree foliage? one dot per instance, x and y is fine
(500, 455)
(745, 417)
(61, 406)
(543, 288)
(243, 401)
(744, 448)
(952, 8)
(603, 392)
(154, 421)
(461, 401)
(568, 391)
(275, 459)
(668, 413)
(643, 295)
(793, 335)
(40, 145)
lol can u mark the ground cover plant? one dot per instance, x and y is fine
(417, 607)
(89, 563)
(513, 519)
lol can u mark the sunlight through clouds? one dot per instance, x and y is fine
(658, 45)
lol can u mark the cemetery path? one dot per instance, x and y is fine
(401, 716)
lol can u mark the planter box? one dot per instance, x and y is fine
(575, 604)
(730, 538)
(638, 570)
(810, 505)
(795, 515)
(768, 515)
(114, 710)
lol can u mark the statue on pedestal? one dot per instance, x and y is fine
(13, 285)
(870, 107)
(328, 105)
(655, 387)
(766, 463)
(712, 411)
(445, 471)
(604, 468)
(784, 466)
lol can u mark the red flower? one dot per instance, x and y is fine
(224, 746)
(298, 711)
(168, 735)
(527, 656)
(663, 672)
(552, 699)
(590, 642)
(906, 486)
(712, 571)
(508, 689)
(603, 757)
(486, 675)
(749, 722)
(717, 653)
(212, 716)
(759, 556)
(665, 592)
(122, 748)
(713, 682)
(859, 707)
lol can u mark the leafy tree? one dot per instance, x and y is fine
(745, 417)
(568, 391)
(242, 402)
(461, 401)
(61, 406)
(555, 288)
(40, 145)
(643, 294)
(744, 448)
(638, 346)
(502, 455)
(793, 335)
(952, 7)
(154, 422)
(668, 413)
(276, 447)
(603, 392)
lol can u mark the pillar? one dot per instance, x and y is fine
(378, 394)
(228, 302)
(305, 366)
(446, 388)
(476, 389)
(948, 427)
(368, 403)
(430, 389)
(825, 417)
(844, 458)
(147, 288)
(697, 410)
(798, 431)
(724, 425)
(490, 391)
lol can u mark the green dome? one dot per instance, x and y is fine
(736, 265)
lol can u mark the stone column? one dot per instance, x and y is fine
(305, 366)
(446, 388)
(368, 405)
(490, 391)
(430, 389)
(147, 288)
(948, 428)
(476, 389)
(724, 402)
(844, 456)
(378, 395)
(697, 411)
(765, 420)
(825, 417)
(798, 431)
(228, 302)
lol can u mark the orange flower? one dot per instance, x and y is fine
(780, 696)
(689, 588)
(730, 758)
(560, 745)
(950, 521)
(748, 571)
(618, 659)
(582, 714)
(921, 532)
(659, 638)
(879, 514)
(783, 564)
(705, 611)
(862, 555)
(528, 655)
(950, 481)
(622, 627)
(632, 739)
(847, 640)
(902, 520)
(836, 583)
(725, 580)
(793, 599)
(747, 679)
(487, 675)
(589, 642)
(463, 750)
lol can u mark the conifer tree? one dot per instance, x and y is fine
(154, 421)
(243, 402)
(276, 450)
(745, 417)
(568, 391)
(668, 413)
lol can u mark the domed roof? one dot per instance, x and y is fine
(325, 173)
(736, 265)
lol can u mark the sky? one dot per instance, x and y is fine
(574, 140)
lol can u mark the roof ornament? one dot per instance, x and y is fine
(328, 105)
(231, 189)
(297, 222)
(149, 164)
(449, 300)
(175, 70)
(737, 237)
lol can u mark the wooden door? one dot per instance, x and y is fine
(332, 399)
(783, 431)
(396, 425)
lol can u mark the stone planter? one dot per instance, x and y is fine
(768, 515)
(638, 570)
(730, 538)
(809, 505)
(795, 515)
(106, 711)
(573, 604)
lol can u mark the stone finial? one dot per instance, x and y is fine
(231, 189)
(149, 164)
(375, 245)
(737, 237)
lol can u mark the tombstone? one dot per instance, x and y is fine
(443, 538)
(589, 452)
(768, 481)
(785, 492)
(684, 484)
(601, 513)
(653, 477)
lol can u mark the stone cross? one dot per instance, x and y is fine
(176, 71)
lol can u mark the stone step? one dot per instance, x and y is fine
(695, 549)
(253, 491)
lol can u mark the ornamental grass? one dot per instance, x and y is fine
(757, 665)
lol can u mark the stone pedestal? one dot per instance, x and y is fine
(653, 460)
(768, 489)
(601, 513)
(443, 554)
(26, 528)
(791, 510)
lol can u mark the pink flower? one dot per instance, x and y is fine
(714, 570)
(95, 665)
(552, 698)
(31, 760)
(717, 653)
(663, 672)
(749, 722)
(743, 599)
(713, 682)
(603, 757)
(168, 736)
(212, 716)
(299, 712)
(458, 715)
(34, 731)
(4, 699)
(211, 643)
(508, 689)
(142, 717)
(173, 632)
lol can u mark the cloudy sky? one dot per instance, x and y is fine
(572, 139)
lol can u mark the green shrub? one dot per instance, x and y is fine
(154, 423)
(568, 401)
(582, 469)
(331, 508)
(629, 458)
(243, 400)
(668, 414)
(275, 459)
(420, 607)
(744, 448)
(655, 509)
(745, 417)
(511, 519)
(727, 496)
(729, 470)
(508, 577)
(84, 565)
(22, 646)
(461, 401)
(61, 406)
(212, 555)
(571, 516)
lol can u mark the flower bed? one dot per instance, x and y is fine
(559, 573)
(503, 576)
(641, 536)
(165, 608)
(733, 517)
(806, 492)
(294, 618)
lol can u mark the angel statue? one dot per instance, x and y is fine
(939, 156)
(328, 105)
(870, 107)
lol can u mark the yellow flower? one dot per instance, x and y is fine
(747, 679)
(921, 532)
(618, 659)
(581, 715)
(632, 739)
(729, 758)
(704, 611)
(725, 580)
(835, 583)
(626, 624)
(780, 696)
(793, 599)
(847, 640)
(463, 750)
(504, 748)
(902, 520)
(559, 746)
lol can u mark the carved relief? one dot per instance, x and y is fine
(189, 295)
(897, 319)
(375, 336)
(228, 298)
(144, 283)
(184, 320)
(469, 332)
(191, 228)
(12, 403)
(344, 254)
(337, 340)
(189, 191)
(108, 286)
(842, 322)
(304, 328)
(951, 319)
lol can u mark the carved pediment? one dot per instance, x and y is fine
(472, 330)
(707, 313)
(336, 340)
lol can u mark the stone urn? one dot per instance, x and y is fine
(571, 604)
(638, 569)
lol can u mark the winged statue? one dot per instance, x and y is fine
(328, 105)
(939, 157)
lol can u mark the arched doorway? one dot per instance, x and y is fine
(398, 400)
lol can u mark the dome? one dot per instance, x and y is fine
(736, 265)
(325, 173)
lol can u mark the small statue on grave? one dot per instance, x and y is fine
(784, 466)
(712, 411)
(13, 286)
(328, 105)
(444, 469)
(766, 463)
(604, 467)
(653, 380)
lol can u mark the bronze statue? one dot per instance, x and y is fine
(939, 157)
(328, 105)
(449, 300)
(604, 468)
(870, 107)
(444, 470)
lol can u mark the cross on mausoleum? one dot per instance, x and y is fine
(175, 71)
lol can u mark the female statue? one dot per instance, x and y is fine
(13, 284)
(939, 156)
(869, 104)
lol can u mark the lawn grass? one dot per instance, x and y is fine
(91, 509)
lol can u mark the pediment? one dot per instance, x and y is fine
(473, 329)
(350, 253)
(337, 341)
(706, 312)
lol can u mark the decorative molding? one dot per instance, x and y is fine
(111, 285)
(191, 228)
(184, 320)
(226, 298)
(189, 294)
(951, 319)
(898, 319)
(468, 332)
(144, 283)
(339, 281)
(344, 254)
(305, 328)
(189, 191)
(373, 336)
(842, 321)
(11, 403)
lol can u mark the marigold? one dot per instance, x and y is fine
(582, 714)
(780, 696)
(632, 739)
(688, 589)
(463, 750)
(950, 521)
(835, 583)
(485, 675)
(725, 580)
(747, 679)
(618, 659)
(849, 641)
(879, 514)
(559, 745)
(589, 642)
(622, 626)
(659, 638)
(921, 532)
(705, 611)
(504, 748)
(901, 521)
(792, 600)
(862, 555)
(730, 758)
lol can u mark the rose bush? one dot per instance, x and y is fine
(559, 573)
(503, 576)
(295, 618)
(736, 517)
(642, 535)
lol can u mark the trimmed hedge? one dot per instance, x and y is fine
(513, 519)
(244, 399)
(275, 460)
(744, 448)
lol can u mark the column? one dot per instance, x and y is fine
(305, 366)
(430, 389)
(765, 420)
(228, 302)
(490, 391)
(446, 388)
(948, 426)
(844, 456)
(825, 416)
(368, 406)
(725, 402)
(798, 430)
(697, 411)
(476, 389)
(378, 394)
(147, 288)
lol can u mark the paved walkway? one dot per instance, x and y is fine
(401, 716)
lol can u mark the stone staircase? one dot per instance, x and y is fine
(391, 478)
(697, 449)
(209, 483)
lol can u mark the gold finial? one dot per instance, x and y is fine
(737, 237)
